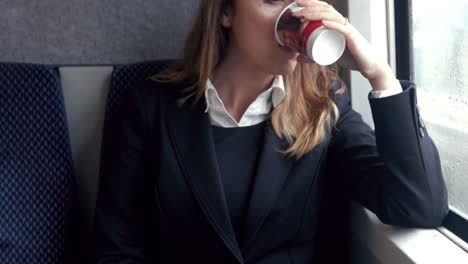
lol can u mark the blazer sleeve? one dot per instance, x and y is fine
(124, 196)
(395, 171)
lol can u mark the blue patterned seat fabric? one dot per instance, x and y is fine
(36, 179)
(123, 78)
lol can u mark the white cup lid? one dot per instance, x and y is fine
(325, 46)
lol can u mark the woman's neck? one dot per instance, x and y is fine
(238, 83)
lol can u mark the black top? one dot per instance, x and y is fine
(237, 150)
(161, 199)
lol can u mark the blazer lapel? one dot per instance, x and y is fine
(192, 139)
(273, 169)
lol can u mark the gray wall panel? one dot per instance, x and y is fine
(92, 31)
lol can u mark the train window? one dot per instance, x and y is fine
(432, 50)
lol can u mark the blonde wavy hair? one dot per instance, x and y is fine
(306, 115)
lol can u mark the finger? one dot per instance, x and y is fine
(312, 9)
(314, 15)
(311, 3)
(320, 13)
(355, 41)
(340, 27)
(315, 5)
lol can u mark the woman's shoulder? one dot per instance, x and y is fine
(151, 92)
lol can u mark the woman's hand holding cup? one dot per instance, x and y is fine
(359, 54)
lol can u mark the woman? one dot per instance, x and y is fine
(223, 159)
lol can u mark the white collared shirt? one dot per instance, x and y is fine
(260, 109)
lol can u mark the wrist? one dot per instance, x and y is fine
(384, 79)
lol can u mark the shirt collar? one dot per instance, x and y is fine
(277, 91)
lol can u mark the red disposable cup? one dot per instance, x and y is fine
(322, 45)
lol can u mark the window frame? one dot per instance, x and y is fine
(454, 222)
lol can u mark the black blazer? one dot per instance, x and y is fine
(160, 198)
